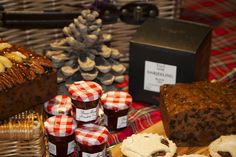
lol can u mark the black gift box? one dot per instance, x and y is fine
(167, 51)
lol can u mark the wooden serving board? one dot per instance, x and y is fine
(158, 128)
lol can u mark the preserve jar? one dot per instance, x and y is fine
(61, 138)
(85, 97)
(59, 105)
(91, 140)
(116, 106)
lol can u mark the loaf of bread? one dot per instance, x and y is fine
(195, 114)
(26, 79)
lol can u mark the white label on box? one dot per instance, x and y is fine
(87, 115)
(52, 148)
(122, 122)
(105, 120)
(71, 147)
(99, 154)
(157, 74)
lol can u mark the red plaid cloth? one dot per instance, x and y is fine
(60, 125)
(221, 14)
(85, 91)
(91, 134)
(116, 100)
(59, 105)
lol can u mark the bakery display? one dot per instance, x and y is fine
(224, 146)
(148, 145)
(26, 79)
(195, 114)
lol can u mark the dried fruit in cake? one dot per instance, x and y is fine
(26, 79)
(194, 114)
(148, 145)
(224, 146)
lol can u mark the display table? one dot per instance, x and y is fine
(158, 128)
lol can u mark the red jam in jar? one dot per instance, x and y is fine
(85, 97)
(59, 105)
(116, 105)
(61, 139)
(91, 140)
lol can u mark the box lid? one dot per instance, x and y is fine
(172, 34)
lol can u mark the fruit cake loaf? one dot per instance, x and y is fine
(195, 114)
(26, 79)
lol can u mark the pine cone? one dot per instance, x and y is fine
(83, 54)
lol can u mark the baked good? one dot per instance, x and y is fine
(148, 145)
(195, 114)
(224, 146)
(26, 79)
(192, 155)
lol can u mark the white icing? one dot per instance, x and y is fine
(144, 145)
(225, 144)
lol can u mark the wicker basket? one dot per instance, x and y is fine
(39, 39)
(22, 135)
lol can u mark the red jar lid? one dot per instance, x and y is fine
(85, 91)
(60, 125)
(91, 134)
(59, 105)
(116, 100)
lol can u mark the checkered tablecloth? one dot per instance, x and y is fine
(221, 14)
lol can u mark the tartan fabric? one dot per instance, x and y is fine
(116, 100)
(221, 15)
(85, 91)
(60, 125)
(91, 134)
(59, 105)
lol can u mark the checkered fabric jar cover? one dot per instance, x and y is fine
(60, 126)
(116, 100)
(91, 134)
(59, 105)
(85, 91)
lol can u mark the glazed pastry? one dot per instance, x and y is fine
(148, 145)
(224, 146)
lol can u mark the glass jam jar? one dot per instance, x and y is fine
(116, 106)
(91, 140)
(59, 105)
(85, 97)
(61, 139)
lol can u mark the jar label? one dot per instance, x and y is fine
(105, 120)
(71, 147)
(87, 115)
(99, 154)
(122, 122)
(157, 74)
(52, 148)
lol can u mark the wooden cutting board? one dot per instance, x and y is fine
(158, 128)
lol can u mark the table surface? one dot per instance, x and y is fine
(158, 128)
